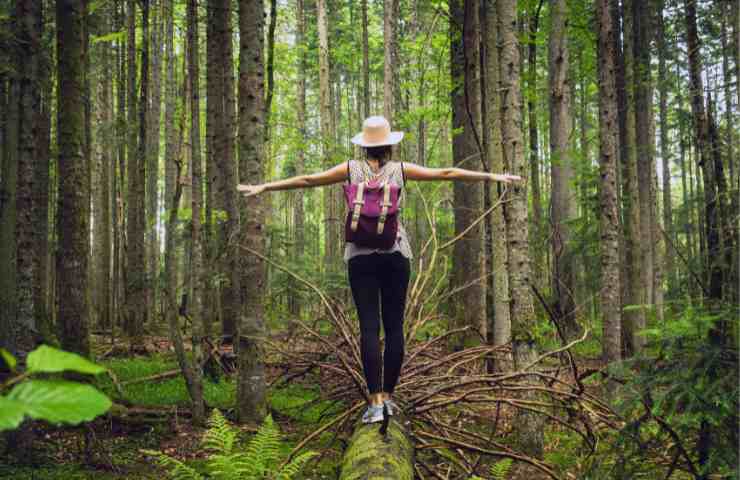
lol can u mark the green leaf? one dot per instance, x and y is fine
(60, 401)
(9, 359)
(11, 414)
(51, 360)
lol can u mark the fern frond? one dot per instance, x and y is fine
(220, 436)
(264, 448)
(500, 469)
(176, 469)
(295, 465)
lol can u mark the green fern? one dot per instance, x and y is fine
(498, 470)
(501, 468)
(259, 461)
(177, 469)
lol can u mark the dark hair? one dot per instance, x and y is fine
(382, 153)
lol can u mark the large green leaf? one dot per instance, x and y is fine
(11, 414)
(8, 358)
(60, 401)
(50, 360)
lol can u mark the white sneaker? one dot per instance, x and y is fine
(392, 407)
(373, 414)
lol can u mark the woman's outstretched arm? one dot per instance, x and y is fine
(335, 174)
(417, 172)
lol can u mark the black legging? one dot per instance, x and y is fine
(384, 275)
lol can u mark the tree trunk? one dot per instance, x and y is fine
(517, 228)
(390, 66)
(562, 196)
(73, 211)
(634, 318)
(270, 67)
(298, 212)
(327, 133)
(106, 163)
(227, 196)
(152, 168)
(251, 402)
(194, 383)
(641, 14)
(171, 153)
(608, 156)
(499, 287)
(29, 222)
(664, 147)
(365, 62)
(467, 280)
(534, 147)
(371, 454)
(8, 284)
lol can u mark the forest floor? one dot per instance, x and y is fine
(111, 448)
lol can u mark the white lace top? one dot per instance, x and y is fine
(360, 171)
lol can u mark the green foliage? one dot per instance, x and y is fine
(498, 470)
(684, 388)
(260, 460)
(56, 401)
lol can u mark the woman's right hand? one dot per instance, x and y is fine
(250, 190)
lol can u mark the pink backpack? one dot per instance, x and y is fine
(372, 219)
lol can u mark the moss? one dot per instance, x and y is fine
(371, 456)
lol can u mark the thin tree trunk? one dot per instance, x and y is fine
(499, 286)
(608, 156)
(562, 207)
(390, 8)
(365, 62)
(251, 401)
(664, 147)
(194, 383)
(270, 67)
(534, 162)
(634, 318)
(641, 14)
(103, 223)
(172, 154)
(521, 307)
(327, 134)
(469, 303)
(73, 211)
(298, 212)
(152, 168)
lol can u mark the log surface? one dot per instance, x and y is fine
(373, 456)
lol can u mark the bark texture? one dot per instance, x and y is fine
(608, 155)
(521, 306)
(251, 402)
(561, 173)
(499, 289)
(467, 278)
(73, 209)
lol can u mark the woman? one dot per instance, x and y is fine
(378, 277)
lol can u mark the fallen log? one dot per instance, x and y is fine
(378, 452)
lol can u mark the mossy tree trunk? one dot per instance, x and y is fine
(372, 455)
(73, 211)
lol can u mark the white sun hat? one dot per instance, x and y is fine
(376, 132)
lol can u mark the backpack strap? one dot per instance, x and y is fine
(403, 174)
(384, 207)
(357, 206)
(349, 177)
